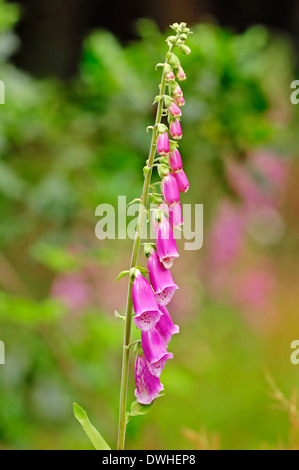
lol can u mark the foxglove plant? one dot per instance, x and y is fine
(148, 300)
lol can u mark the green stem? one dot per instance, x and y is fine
(134, 259)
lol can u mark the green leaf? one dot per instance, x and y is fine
(122, 274)
(137, 409)
(94, 436)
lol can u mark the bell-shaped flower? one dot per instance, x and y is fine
(170, 190)
(147, 313)
(155, 351)
(166, 327)
(161, 279)
(175, 215)
(175, 160)
(148, 386)
(174, 110)
(182, 181)
(175, 129)
(163, 144)
(166, 244)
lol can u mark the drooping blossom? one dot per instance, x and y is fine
(166, 244)
(175, 215)
(176, 130)
(148, 386)
(147, 313)
(163, 144)
(174, 110)
(161, 279)
(175, 160)
(182, 181)
(155, 351)
(165, 326)
(170, 190)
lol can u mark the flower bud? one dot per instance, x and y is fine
(170, 190)
(181, 74)
(185, 49)
(174, 61)
(170, 76)
(182, 181)
(176, 130)
(174, 110)
(163, 144)
(180, 101)
(176, 89)
(175, 160)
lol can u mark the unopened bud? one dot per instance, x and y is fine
(185, 49)
(174, 61)
(181, 74)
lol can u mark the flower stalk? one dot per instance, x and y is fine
(159, 140)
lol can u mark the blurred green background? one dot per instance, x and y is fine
(65, 148)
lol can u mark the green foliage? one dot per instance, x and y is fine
(94, 436)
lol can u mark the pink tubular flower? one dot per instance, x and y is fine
(180, 101)
(155, 351)
(175, 129)
(145, 305)
(174, 110)
(166, 327)
(182, 181)
(163, 144)
(175, 215)
(166, 245)
(148, 386)
(181, 74)
(170, 190)
(175, 160)
(161, 280)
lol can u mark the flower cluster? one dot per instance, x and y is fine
(151, 299)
